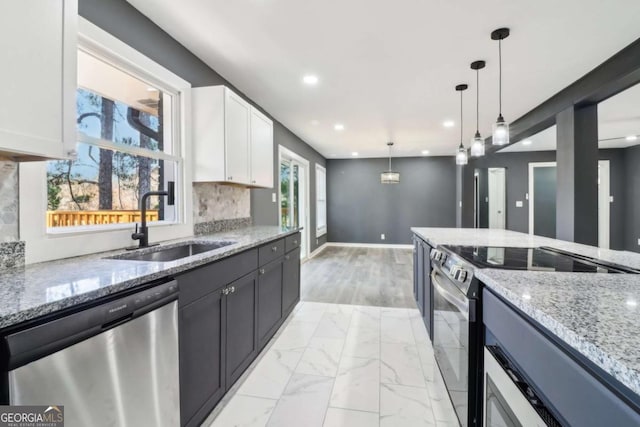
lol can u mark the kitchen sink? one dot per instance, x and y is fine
(162, 254)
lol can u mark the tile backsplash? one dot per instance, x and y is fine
(215, 202)
(8, 201)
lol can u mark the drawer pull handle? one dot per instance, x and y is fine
(287, 257)
(274, 248)
(295, 242)
(225, 291)
(233, 289)
(262, 271)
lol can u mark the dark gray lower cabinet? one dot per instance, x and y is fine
(422, 281)
(269, 300)
(228, 310)
(421, 276)
(241, 323)
(290, 281)
(202, 380)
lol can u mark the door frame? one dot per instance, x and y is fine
(533, 165)
(604, 204)
(284, 152)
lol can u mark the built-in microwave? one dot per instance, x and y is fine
(508, 400)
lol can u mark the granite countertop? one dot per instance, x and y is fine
(35, 290)
(598, 315)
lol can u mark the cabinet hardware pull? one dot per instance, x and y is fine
(262, 271)
(286, 257)
(229, 178)
(295, 242)
(233, 289)
(225, 291)
(274, 248)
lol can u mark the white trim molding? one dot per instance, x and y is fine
(317, 251)
(369, 245)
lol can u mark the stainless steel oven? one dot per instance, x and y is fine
(457, 334)
(508, 400)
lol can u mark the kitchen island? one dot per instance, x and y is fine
(593, 318)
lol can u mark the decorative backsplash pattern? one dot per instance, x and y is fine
(8, 201)
(214, 202)
(209, 227)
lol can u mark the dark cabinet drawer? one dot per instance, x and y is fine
(199, 282)
(292, 242)
(270, 251)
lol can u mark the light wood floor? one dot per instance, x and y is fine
(360, 276)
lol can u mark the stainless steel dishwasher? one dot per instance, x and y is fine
(114, 364)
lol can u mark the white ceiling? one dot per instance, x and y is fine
(387, 69)
(618, 117)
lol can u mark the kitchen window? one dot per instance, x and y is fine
(321, 201)
(125, 149)
(132, 137)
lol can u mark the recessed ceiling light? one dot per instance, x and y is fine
(425, 152)
(314, 122)
(338, 126)
(151, 89)
(527, 142)
(310, 80)
(631, 138)
(448, 123)
(354, 154)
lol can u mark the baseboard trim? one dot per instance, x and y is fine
(317, 251)
(368, 245)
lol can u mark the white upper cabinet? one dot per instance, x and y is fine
(233, 142)
(261, 150)
(38, 51)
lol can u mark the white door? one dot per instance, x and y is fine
(497, 198)
(261, 150)
(237, 116)
(604, 195)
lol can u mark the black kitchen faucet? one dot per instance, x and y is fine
(143, 234)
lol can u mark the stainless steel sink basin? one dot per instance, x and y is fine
(173, 253)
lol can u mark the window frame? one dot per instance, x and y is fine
(321, 230)
(47, 244)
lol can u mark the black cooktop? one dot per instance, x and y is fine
(534, 259)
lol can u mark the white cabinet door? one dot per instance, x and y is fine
(38, 42)
(261, 150)
(237, 117)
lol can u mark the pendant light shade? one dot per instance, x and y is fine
(477, 143)
(500, 127)
(389, 176)
(461, 156)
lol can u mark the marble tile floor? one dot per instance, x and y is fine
(341, 365)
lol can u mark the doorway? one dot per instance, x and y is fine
(542, 199)
(293, 188)
(604, 200)
(497, 198)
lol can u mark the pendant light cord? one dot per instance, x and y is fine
(477, 101)
(461, 119)
(389, 158)
(500, 75)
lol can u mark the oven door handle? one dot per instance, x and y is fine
(447, 290)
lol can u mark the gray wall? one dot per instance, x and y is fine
(632, 198)
(360, 208)
(517, 181)
(123, 21)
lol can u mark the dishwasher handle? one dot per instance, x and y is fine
(55, 334)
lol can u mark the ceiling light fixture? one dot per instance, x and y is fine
(500, 127)
(338, 126)
(631, 138)
(310, 80)
(354, 154)
(477, 143)
(389, 176)
(448, 123)
(527, 142)
(461, 155)
(425, 152)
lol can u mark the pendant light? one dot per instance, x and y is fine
(477, 143)
(500, 127)
(390, 177)
(461, 155)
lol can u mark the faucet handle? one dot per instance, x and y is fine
(136, 235)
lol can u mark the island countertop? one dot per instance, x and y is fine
(597, 315)
(39, 289)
